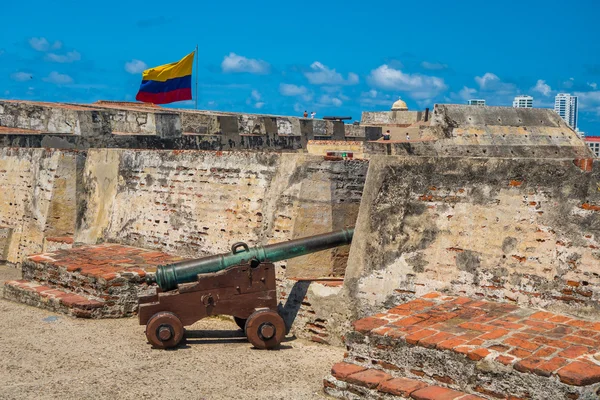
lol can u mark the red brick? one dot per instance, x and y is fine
(581, 340)
(545, 352)
(367, 324)
(370, 378)
(506, 360)
(520, 353)
(594, 325)
(523, 344)
(415, 337)
(475, 342)
(387, 365)
(444, 379)
(401, 386)
(585, 333)
(528, 364)
(432, 341)
(450, 344)
(431, 295)
(477, 327)
(574, 351)
(478, 354)
(559, 319)
(495, 334)
(463, 349)
(461, 300)
(548, 367)
(71, 300)
(578, 323)
(499, 348)
(541, 315)
(436, 393)
(539, 324)
(471, 397)
(408, 321)
(579, 374)
(488, 392)
(342, 370)
(551, 342)
(399, 311)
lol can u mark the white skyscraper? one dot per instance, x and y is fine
(565, 105)
(476, 102)
(523, 102)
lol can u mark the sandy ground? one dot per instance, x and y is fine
(44, 355)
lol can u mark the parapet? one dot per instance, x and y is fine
(107, 124)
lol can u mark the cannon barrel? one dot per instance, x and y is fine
(169, 276)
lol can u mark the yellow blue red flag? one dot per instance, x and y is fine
(167, 83)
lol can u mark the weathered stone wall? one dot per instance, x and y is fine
(390, 117)
(516, 230)
(197, 203)
(137, 125)
(37, 198)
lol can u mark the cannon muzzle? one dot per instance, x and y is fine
(169, 276)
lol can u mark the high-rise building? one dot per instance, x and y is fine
(565, 105)
(476, 102)
(523, 102)
(593, 143)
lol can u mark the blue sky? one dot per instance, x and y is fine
(332, 57)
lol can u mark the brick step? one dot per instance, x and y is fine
(494, 350)
(347, 381)
(51, 298)
(54, 243)
(111, 272)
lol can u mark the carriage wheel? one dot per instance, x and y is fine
(164, 330)
(265, 329)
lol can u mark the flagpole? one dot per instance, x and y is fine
(196, 77)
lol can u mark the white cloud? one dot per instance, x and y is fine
(259, 104)
(419, 86)
(542, 87)
(288, 89)
(39, 44)
(323, 75)
(57, 45)
(235, 63)
(330, 100)
(568, 84)
(466, 93)
(21, 76)
(433, 66)
(589, 101)
(58, 79)
(492, 83)
(486, 80)
(255, 95)
(71, 56)
(372, 93)
(135, 66)
(593, 85)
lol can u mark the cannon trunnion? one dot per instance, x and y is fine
(241, 284)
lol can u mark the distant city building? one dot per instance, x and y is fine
(476, 102)
(593, 143)
(565, 105)
(523, 102)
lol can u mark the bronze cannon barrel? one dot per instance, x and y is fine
(169, 276)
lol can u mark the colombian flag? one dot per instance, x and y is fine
(167, 83)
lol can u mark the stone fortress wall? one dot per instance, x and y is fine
(493, 202)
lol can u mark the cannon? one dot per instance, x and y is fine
(240, 284)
